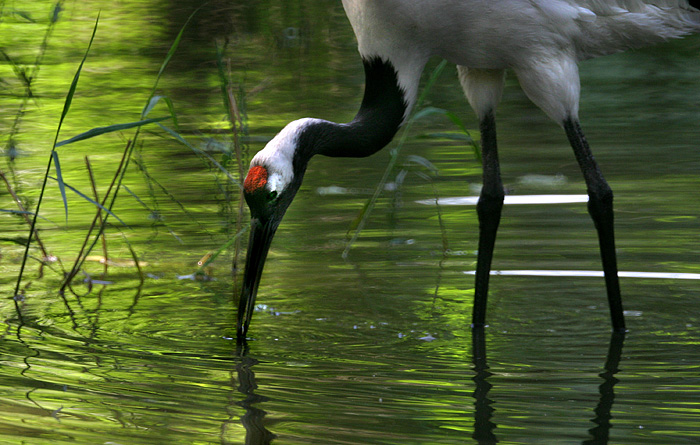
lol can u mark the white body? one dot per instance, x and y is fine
(541, 40)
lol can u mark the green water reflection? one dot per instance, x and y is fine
(373, 349)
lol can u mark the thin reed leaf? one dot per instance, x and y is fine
(358, 220)
(168, 102)
(223, 247)
(24, 212)
(17, 212)
(59, 179)
(172, 198)
(133, 195)
(111, 195)
(96, 194)
(25, 15)
(66, 107)
(152, 102)
(76, 78)
(458, 122)
(182, 140)
(20, 72)
(56, 12)
(127, 155)
(136, 260)
(109, 129)
(173, 114)
(428, 111)
(431, 81)
(84, 249)
(448, 135)
(90, 200)
(420, 160)
(223, 81)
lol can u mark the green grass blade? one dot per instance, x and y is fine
(151, 103)
(59, 179)
(76, 78)
(109, 129)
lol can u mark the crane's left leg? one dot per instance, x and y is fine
(488, 210)
(483, 88)
(600, 207)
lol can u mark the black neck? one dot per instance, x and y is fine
(379, 118)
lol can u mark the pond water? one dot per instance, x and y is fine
(374, 348)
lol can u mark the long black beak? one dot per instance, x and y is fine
(261, 234)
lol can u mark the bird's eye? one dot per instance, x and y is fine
(272, 195)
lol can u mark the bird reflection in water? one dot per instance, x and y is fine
(253, 419)
(484, 411)
(483, 427)
(601, 433)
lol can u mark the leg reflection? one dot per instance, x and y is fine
(601, 432)
(253, 419)
(483, 427)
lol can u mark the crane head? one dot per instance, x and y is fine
(273, 180)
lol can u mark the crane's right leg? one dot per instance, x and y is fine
(600, 207)
(554, 86)
(483, 89)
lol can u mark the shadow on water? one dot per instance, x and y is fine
(484, 411)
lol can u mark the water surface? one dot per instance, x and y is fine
(372, 349)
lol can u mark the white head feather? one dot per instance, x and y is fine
(278, 154)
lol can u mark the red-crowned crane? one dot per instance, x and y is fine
(542, 41)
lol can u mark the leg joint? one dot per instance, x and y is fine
(490, 204)
(600, 201)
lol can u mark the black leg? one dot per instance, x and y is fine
(600, 207)
(489, 212)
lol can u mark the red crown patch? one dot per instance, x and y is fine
(256, 179)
